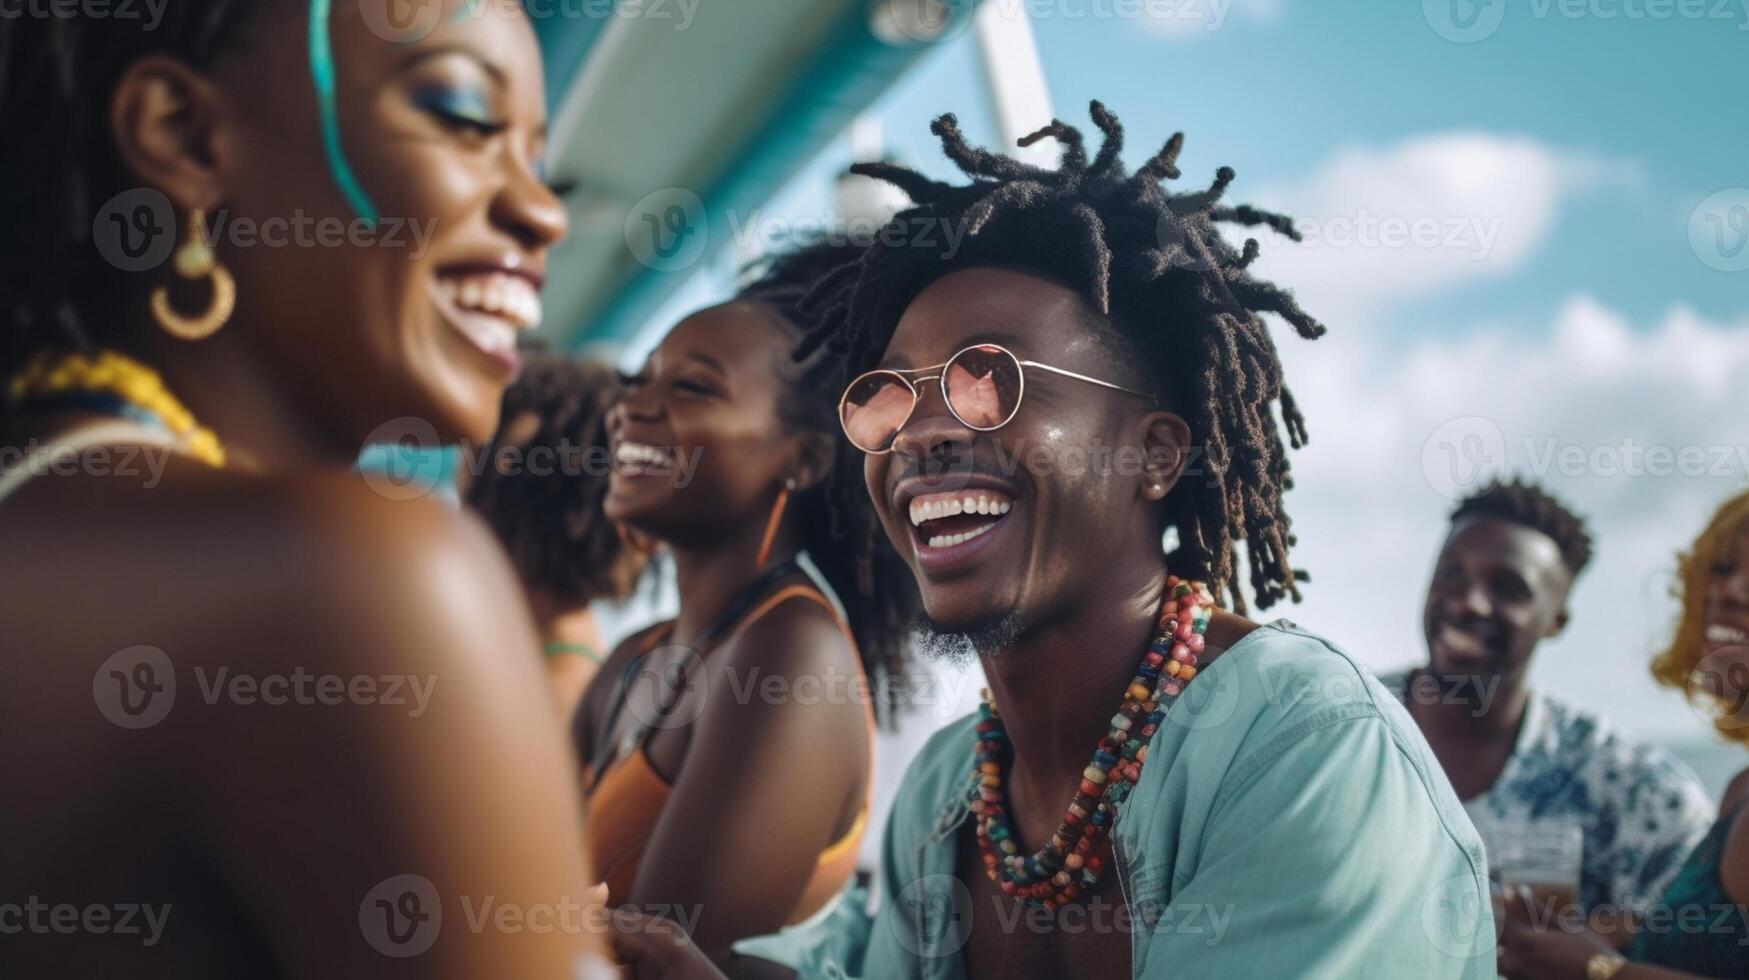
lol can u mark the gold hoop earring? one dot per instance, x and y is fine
(196, 260)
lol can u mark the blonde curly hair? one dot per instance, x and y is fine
(1676, 664)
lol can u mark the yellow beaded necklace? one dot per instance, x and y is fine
(112, 382)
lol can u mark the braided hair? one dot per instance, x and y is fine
(835, 521)
(57, 74)
(546, 478)
(1179, 305)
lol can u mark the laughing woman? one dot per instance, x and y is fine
(541, 493)
(728, 752)
(241, 687)
(1700, 926)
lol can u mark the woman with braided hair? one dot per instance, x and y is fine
(1088, 372)
(261, 717)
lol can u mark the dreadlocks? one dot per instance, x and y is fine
(1179, 300)
(836, 523)
(56, 77)
(1531, 506)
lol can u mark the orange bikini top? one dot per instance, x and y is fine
(628, 794)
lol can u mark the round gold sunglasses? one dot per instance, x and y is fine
(983, 386)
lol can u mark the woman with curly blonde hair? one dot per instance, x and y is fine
(1707, 627)
(1700, 926)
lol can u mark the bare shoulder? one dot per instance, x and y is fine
(1734, 857)
(1736, 792)
(237, 562)
(800, 637)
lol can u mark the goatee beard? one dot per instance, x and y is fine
(960, 647)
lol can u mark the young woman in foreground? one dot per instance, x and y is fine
(259, 712)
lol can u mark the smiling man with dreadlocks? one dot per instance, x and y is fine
(1155, 786)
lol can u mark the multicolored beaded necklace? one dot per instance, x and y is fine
(114, 384)
(1071, 862)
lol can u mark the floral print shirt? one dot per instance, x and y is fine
(1640, 810)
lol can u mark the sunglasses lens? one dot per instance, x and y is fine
(983, 386)
(875, 408)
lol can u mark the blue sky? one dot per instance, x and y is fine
(1577, 317)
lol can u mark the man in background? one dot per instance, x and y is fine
(1521, 759)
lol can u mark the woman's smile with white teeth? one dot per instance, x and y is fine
(637, 457)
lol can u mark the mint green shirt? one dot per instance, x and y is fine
(1290, 821)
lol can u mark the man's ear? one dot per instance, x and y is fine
(1559, 624)
(166, 121)
(1166, 452)
(814, 453)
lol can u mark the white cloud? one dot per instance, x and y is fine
(1427, 214)
(1640, 429)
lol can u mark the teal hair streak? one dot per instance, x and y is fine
(322, 68)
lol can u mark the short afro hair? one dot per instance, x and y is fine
(1529, 505)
